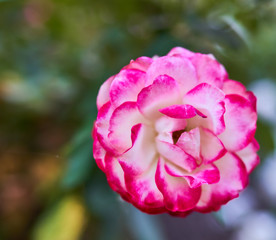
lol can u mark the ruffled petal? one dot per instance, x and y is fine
(240, 121)
(209, 70)
(211, 148)
(176, 155)
(190, 142)
(102, 126)
(233, 179)
(162, 93)
(126, 86)
(249, 155)
(141, 63)
(168, 125)
(177, 67)
(203, 174)
(122, 120)
(98, 151)
(179, 51)
(178, 196)
(140, 156)
(115, 176)
(234, 87)
(181, 111)
(143, 189)
(210, 101)
(103, 95)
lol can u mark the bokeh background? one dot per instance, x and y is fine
(54, 55)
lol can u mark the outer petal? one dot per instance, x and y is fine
(233, 179)
(121, 122)
(181, 111)
(140, 156)
(103, 95)
(204, 174)
(98, 151)
(144, 191)
(209, 70)
(115, 176)
(178, 196)
(240, 121)
(177, 67)
(210, 101)
(176, 155)
(179, 51)
(141, 63)
(234, 87)
(126, 86)
(180, 214)
(249, 156)
(162, 93)
(102, 126)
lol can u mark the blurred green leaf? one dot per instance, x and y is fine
(104, 203)
(265, 138)
(80, 161)
(219, 217)
(238, 28)
(79, 166)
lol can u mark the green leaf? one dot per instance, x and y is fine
(80, 160)
(238, 28)
(80, 164)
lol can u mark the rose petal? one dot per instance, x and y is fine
(233, 179)
(234, 87)
(240, 121)
(115, 176)
(144, 191)
(181, 111)
(162, 93)
(121, 122)
(204, 174)
(210, 101)
(169, 125)
(181, 51)
(140, 156)
(102, 126)
(126, 86)
(190, 142)
(103, 95)
(98, 151)
(209, 70)
(249, 156)
(179, 68)
(211, 148)
(141, 63)
(178, 196)
(176, 155)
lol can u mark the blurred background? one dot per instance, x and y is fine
(54, 55)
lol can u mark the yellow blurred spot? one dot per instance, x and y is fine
(64, 222)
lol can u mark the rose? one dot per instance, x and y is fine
(174, 134)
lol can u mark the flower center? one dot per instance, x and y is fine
(176, 135)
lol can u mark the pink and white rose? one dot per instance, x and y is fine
(174, 134)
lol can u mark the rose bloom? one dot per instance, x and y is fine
(174, 134)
